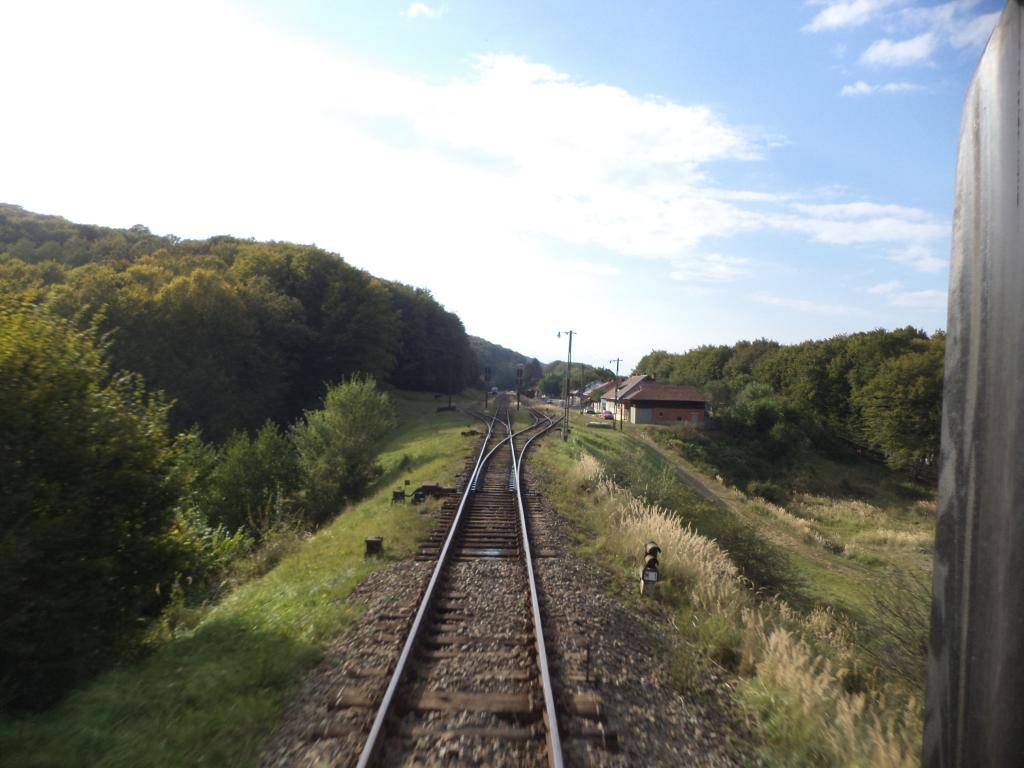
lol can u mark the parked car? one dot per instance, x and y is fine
(607, 415)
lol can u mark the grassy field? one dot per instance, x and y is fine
(209, 696)
(823, 677)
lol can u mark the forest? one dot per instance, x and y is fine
(502, 363)
(232, 331)
(552, 383)
(877, 393)
(173, 410)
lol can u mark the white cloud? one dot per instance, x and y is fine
(422, 10)
(861, 222)
(806, 305)
(275, 137)
(885, 288)
(904, 53)
(863, 210)
(895, 296)
(860, 88)
(974, 32)
(709, 268)
(920, 257)
(929, 299)
(846, 13)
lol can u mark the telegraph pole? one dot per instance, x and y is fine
(568, 367)
(615, 414)
(519, 383)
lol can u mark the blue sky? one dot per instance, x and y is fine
(653, 175)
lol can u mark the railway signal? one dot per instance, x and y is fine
(649, 574)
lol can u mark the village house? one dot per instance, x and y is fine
(651, 402)
(609, 395)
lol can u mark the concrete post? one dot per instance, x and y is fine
(975, 696)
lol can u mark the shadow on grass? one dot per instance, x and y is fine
(207, 699)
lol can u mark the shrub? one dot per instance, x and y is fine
(83, 463)
(252, 481)
(337, 445)
(768, 491)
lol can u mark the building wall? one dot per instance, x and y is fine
(666, 415)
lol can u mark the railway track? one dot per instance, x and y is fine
(473, 673)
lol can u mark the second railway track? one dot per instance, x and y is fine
(474, 664)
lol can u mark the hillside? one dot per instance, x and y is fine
(177, 415)
(232, 331)
(502, 363)
(553, 383)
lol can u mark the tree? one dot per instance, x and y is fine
(252, 481)
(83, 464)
(337, 445)
(902, 404)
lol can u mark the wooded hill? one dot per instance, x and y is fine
(502, 363)
(553, 382)
(174, 412)
(233, 331)
(879, 390)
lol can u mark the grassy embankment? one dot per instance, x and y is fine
(210, 695)
(804, 662)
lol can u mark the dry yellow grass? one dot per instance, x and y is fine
(804, 527)
(826, 507)
(886, 537)
(793, 664)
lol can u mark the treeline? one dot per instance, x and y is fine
(875, 391)
(233, 331)
(503, 362)
(552, 383)
(173, 416)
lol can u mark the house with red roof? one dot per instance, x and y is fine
(651, 402)
(613, 393)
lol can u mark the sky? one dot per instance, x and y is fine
(652, 175)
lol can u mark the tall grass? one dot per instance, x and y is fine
(798, 678)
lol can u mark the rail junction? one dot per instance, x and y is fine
(474, 662)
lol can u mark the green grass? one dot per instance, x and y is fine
(211, 696)
(813, 696)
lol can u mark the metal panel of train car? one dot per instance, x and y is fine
(975, 697)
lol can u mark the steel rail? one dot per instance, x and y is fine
(377, 729)
(396, 677)
(550, 425)
(554, 737)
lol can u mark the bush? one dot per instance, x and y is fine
(337, 445)
(252, 481)
(768, 491)
(83, 464)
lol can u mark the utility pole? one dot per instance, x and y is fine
(568, 367)
(519, 383)
(580, 388)
(487, 380)
(615, 413)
